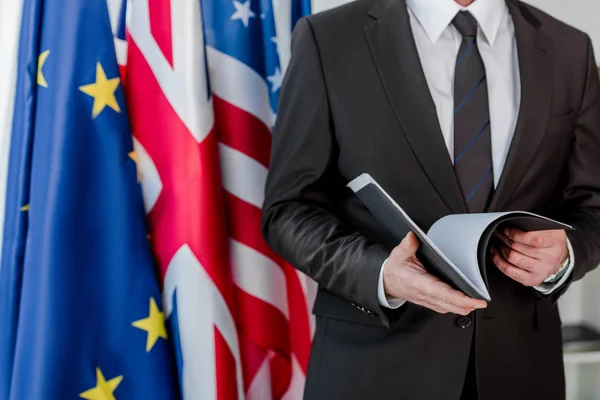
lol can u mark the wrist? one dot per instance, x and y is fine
(385, 279)
(558, 272)
(384, 299)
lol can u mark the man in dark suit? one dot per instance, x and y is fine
(453, 107)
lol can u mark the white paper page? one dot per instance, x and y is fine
(457, 236)
(364, 179)
(460, 244)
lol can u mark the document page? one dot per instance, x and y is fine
(367, 188)
(455, 247)
(457, 236)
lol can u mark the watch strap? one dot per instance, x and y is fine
(559, 272)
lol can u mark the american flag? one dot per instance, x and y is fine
(202, 81)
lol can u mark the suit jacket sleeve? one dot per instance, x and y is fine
(581, 195)
(299, 213)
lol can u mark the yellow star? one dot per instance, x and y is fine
(133, 156)
(40, 75)
(103, 92)
(154, 325)
(25, 207)
(103, 389)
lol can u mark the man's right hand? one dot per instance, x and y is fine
(404, 277)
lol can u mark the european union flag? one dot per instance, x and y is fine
(79, 299)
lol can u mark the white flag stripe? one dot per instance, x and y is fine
(114, 12)
(243, 176)
(309, 288)
(10, 29)
(184, 83)
(296, 388)
(260, 388)
(239, 85)
(151, 183)
(200, 308)
(121, 51)
(283, 24)
(259, 276)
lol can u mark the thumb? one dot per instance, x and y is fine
(410, 244)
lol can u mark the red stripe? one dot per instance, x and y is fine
(263, 323)
(160, 26)
(299, 317)
(225, 366)
(253, 357)
(189, 209)
(244, 226)
(242, 131)
(281, 375)
(243, 222)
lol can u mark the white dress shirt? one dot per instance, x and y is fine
(438, 43)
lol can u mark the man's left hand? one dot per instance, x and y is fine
(530, 257)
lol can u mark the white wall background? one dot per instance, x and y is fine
(583, 14)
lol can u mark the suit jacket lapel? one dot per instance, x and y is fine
(394, 51)
(534, 51)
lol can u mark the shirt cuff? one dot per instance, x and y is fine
(384, 300)
(549, 288)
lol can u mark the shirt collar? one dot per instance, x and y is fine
(436, 15)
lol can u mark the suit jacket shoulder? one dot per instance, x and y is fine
(342, 26)
(345, 15)
(567, 41)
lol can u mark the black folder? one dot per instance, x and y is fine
(455, 247)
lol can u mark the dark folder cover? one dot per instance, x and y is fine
(443, 250)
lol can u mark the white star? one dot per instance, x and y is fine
(276, 79)
(276, 41)
(242, 12)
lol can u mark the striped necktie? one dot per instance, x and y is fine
(472, 131)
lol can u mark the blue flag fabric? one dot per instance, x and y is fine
(300, 8)
(79, 298)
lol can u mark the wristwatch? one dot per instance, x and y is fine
(558, 274)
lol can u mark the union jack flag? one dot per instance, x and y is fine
(202, 80)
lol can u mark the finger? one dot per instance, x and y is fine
(441, 309)
(409, 245)
(451, 308)
(532, 252)
(539, 239)
(430, 306)
(442, 292)
(517, 274)
(553, 255)
(518, 259)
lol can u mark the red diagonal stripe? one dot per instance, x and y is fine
(244, 226)
(243, 223)
(189, 209)
(160, 26)
(263, 323)
(299, 322)
(242, 131)
(265, 327)
(225, 369)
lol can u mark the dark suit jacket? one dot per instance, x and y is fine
(355, 100)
